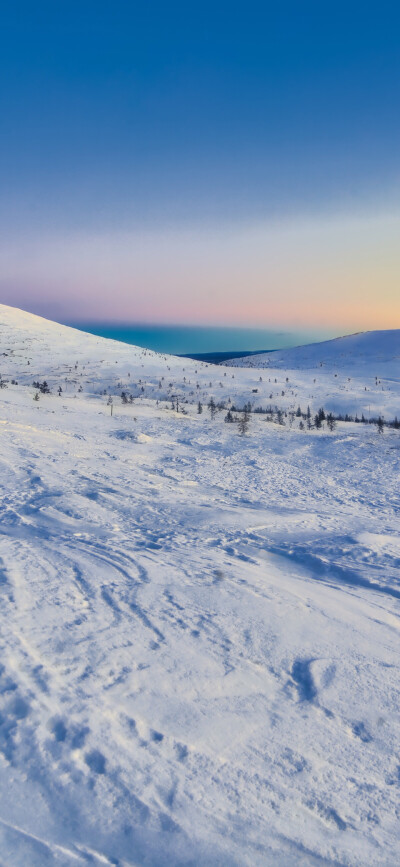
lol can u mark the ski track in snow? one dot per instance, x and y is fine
(199, 632)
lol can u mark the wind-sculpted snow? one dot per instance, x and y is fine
(199, 631)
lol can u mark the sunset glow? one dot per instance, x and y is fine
(244, 172)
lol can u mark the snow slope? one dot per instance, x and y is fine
(372, 352)
(366, 366)
(199, 632)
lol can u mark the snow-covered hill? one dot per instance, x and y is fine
(366, 383)
(199, 631)
(371, 352)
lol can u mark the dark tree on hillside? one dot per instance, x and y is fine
(42, 386)
(212, 407)
(199, 408)
(380, 425)
(244, 422)
(330, 422)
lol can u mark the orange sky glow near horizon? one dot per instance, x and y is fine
(338, 272)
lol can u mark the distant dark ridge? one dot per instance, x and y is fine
(217, 357)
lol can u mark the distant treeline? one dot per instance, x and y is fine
(274, 412)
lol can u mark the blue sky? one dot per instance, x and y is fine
(124, 118)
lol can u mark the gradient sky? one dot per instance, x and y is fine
(222, 162)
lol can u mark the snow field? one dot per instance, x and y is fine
(199, 631)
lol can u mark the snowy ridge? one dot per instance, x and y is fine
(368, 350)
(199, 632)
(367, 384)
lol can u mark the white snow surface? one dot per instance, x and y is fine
(199, 631)
(372, 351)
(359, 373)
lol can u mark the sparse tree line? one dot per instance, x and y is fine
(4, 382)
(239, 415)
(308, 420)
(43, 387)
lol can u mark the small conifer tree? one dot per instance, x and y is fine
(244, 423)
(212, 407)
